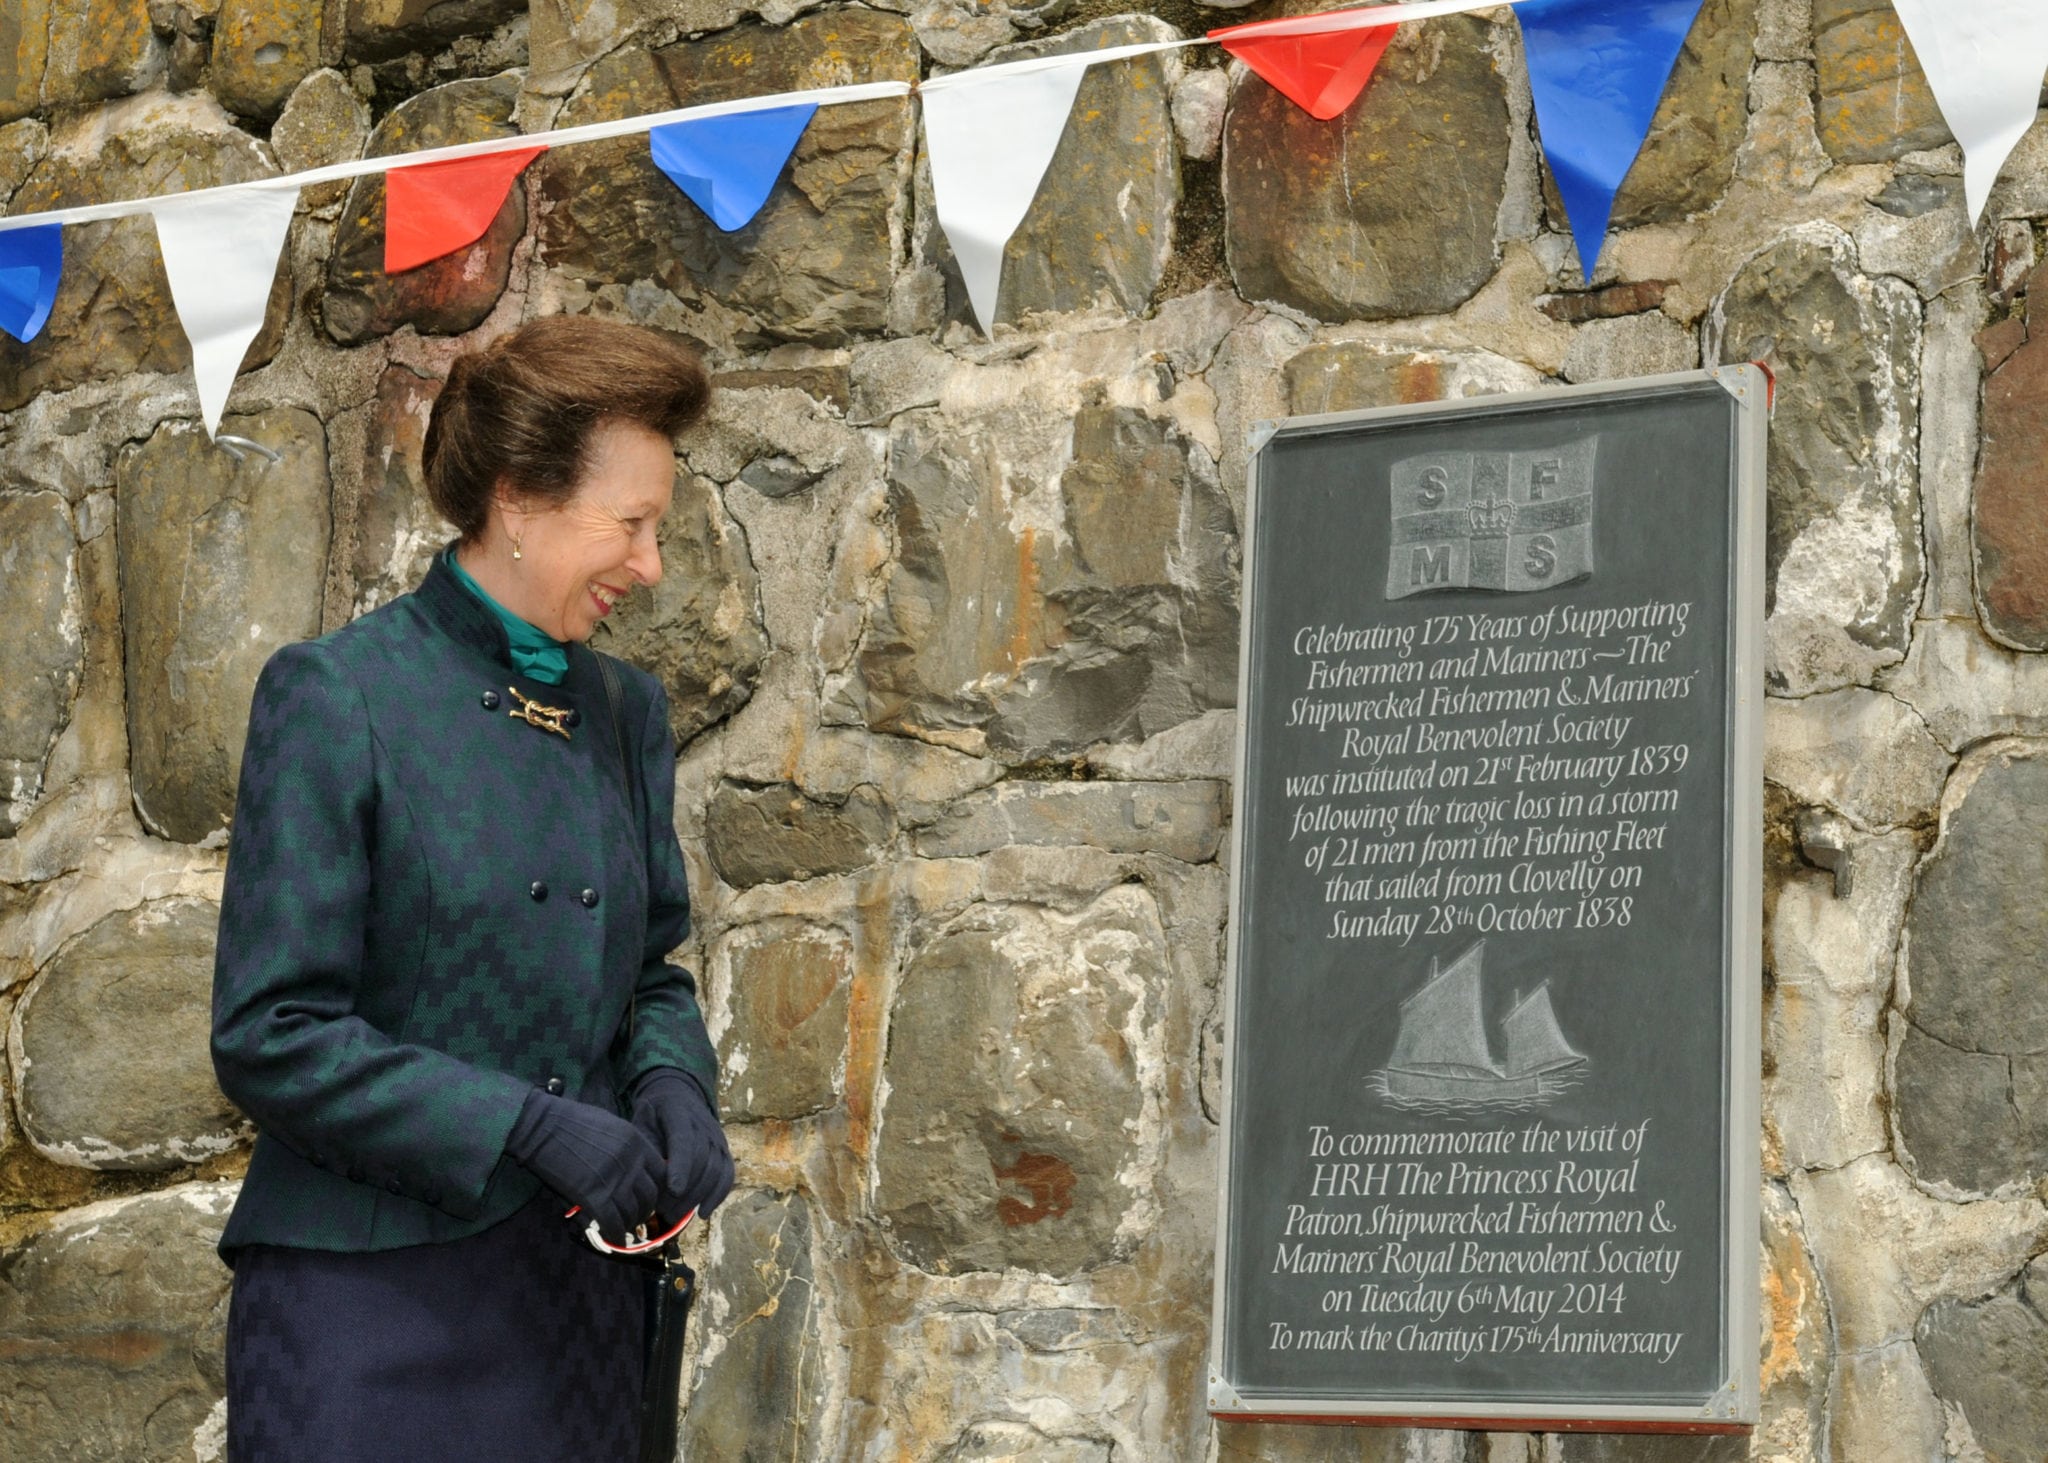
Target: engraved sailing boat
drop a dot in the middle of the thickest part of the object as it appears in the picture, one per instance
(1443, 1058)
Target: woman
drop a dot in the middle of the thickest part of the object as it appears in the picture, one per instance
(441, 991)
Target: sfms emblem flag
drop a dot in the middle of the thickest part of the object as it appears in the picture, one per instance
(1511, 521)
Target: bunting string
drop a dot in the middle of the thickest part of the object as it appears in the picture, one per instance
(1597, 68)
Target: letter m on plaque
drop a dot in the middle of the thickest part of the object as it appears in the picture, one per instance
(1512, 521)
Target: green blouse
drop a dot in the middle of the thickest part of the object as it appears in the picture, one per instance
(536, 654)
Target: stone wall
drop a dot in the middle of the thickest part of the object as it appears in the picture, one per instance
(951, 633)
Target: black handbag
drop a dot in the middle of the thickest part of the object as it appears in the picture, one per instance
(661, 1397)
(675, 1285)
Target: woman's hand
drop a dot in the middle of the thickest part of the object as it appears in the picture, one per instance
(670, 1108)
(590, 1157)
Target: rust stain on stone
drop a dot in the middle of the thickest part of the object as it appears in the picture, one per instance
(1029, 606)
(1045, 1177)
(2011, 542)
(106, 1348)
(1781, 1353)
(1419, 379)
(866, 1003)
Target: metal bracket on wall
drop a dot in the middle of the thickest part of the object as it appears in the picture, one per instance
(1222, 1396)
(239, 448)
(1824, 841)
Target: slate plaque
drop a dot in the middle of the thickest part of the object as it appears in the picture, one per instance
(1491, 1142)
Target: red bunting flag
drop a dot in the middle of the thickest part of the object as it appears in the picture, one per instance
(432, 209)
(1321, 73)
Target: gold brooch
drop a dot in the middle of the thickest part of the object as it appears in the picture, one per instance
(547, 718)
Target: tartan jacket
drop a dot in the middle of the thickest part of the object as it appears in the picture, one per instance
(431, 907)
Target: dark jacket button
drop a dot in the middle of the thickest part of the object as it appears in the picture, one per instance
(355, 1173)
(539, 891)
(395, 1186)
(432, 1196)
(490, 700)
(589, 898)
(574, 718)
(556, 1086)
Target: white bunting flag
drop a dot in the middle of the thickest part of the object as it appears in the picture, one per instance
(990, 134)
(1985, 60)
(221, 250)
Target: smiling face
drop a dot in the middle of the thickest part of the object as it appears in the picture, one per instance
(579, 559)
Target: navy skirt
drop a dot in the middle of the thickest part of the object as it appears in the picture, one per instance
(521, 1345)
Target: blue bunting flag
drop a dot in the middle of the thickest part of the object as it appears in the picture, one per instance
(727, 164)
(31, 261)
(1597, 69)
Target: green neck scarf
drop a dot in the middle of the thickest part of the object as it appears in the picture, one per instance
(536, 654)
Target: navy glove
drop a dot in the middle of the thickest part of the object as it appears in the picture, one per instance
(589, 1157)
(672, 1110)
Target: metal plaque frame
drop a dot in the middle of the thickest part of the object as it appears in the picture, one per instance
(1733, 1407)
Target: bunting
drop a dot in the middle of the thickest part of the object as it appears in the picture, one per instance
(1322, 73)
(989, 135)
(1597, 69)
(432, 209)
(31, 261)
(220, 251)
(1984, 61)
(727, 165)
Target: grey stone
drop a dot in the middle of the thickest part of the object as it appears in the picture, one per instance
(1183, 820)
(786, 984)
(1308, 229)
(1100, 230)
(323, 122)
(24, 52)
(817, 263)
(962, 32)
(1688, 155)
(376, 29)
(699, 630)
(1843, 560)
(1014, 1442)
(892, 376)
(761, 1396)
(1865, 753)
(1979, 928)
(221, 563)
(1978, 960)
(1336, 376)
(444, 296)
(1203, 747)
(1881, 1407)
(107, 1321)
(1630, 345)
(1620, 1449)
(262, 49)
(114, 1071)
(398, 530)
(1200, 98)
(768, 835)
(99, 50)
(993, 635)
(1300, 1443)
(25, 143)
(113, 314)
(1014, 1091)
(1960, 1118)
(42, 657)
(1874, 102)
(1990, 1358)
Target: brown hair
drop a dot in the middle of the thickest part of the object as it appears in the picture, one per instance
(521, 409)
